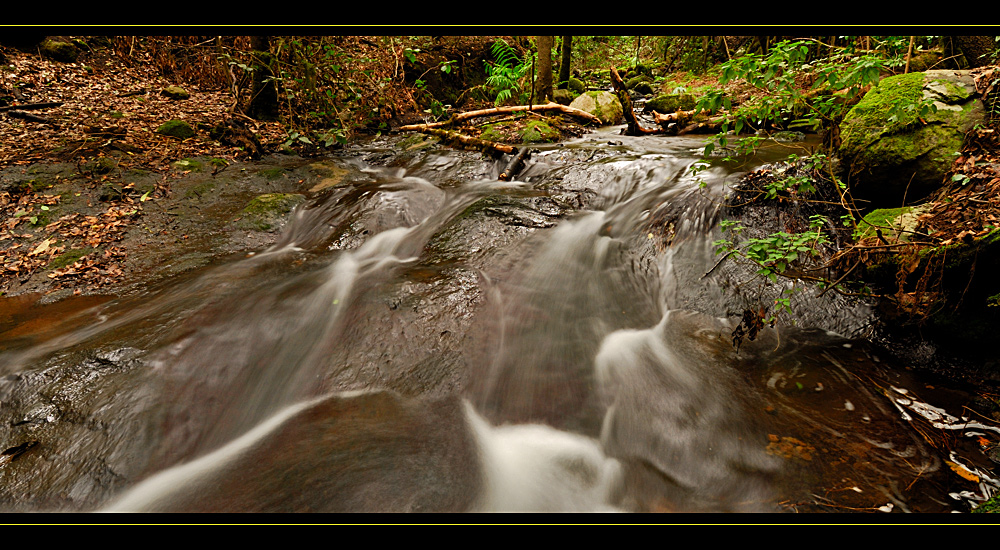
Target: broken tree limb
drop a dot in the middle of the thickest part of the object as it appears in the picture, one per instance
(633, 127)
(29, 116)
(31, 106)
(514, 165)
(460, 117)
(470, 142)
(700, 127)
(679, 117)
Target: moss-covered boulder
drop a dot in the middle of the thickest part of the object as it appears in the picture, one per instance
(895, 224)
(562, 96)
(891, 149)
(175, 92)
(670, 103)
(59, 50)
(267, 212)
(642, 84)
(176, 128)
(576, 85)
(603, 105)
(537, 131)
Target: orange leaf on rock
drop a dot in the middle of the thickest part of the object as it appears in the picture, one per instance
(962, 471)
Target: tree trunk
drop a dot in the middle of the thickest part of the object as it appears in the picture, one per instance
(543, 86)
(633, 127)
(567, 57)
(977, 49)
(263, 95)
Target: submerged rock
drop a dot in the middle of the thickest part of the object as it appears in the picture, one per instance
(266, 211)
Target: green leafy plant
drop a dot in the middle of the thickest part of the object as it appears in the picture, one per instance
(437, 109)
(838, 79)
(803, 183)
(504, 74)
(778, 253)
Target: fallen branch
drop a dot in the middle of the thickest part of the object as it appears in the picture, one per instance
(460, 117)
(471, 142)
(699, 127)
(29, 116)
(514, 165)
(679, 117)
(31, 106)
(633, 128)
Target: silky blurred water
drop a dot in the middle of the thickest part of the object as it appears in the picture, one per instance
(426, 341)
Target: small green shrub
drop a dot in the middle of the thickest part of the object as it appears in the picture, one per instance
(504, 74)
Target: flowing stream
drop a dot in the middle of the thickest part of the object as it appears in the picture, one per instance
(423, 337)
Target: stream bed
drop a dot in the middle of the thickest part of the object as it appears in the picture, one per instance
(421, 337)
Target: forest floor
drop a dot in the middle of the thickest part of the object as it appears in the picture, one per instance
(80, 174)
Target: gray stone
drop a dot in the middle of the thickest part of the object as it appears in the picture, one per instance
(175, 92)
(603, 105)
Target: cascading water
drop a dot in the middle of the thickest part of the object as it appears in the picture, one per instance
(421, 340)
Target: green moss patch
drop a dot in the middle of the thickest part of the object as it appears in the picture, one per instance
(537, 131)
(671, 103)
(272, 173)
(266, 212)
(69, 257)
(991, 506)
(897, 224)
(199, 189)
(189, 164)
(500, 132)
(868, 117)
(176, 128)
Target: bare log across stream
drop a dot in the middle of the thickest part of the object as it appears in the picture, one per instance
(461, 117)
(471, 142)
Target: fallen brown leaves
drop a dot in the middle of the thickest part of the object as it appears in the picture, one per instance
(84, 243)
(970, 207)
(789, 448)
(107, 103)
(101, 107)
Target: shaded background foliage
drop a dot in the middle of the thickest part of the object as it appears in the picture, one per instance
(363, 83)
